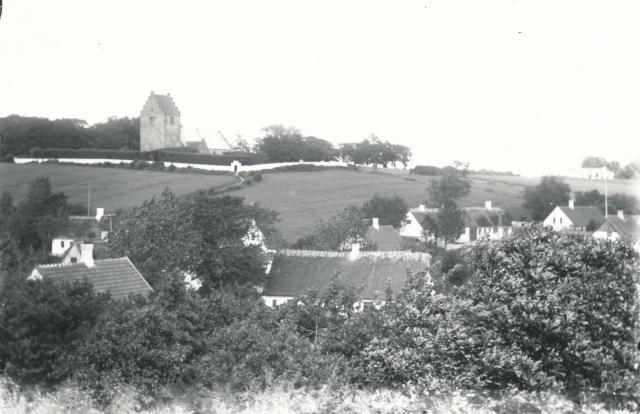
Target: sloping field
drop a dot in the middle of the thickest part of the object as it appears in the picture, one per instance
(304, 197)
(111, 188)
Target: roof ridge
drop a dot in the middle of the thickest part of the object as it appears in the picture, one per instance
(398, 254)
(59, 264)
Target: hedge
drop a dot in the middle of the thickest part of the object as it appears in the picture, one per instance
(158, 155)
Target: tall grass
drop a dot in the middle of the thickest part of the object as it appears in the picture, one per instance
(284, 399)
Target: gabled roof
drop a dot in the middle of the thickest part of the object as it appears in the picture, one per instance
(581, 216)
(117, 276)
(386, 238)
(166, 104)
(295, 271)
(484, 217)
(627, 228)
(201, 146)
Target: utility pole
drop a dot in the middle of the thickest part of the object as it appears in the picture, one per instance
(606, 199)
(89, 200)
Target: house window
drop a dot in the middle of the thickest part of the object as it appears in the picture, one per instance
(152, 119)
(171, 120)
(274, 303)
(62, 244)
(554, 220)
(74, 260)
(560, 220)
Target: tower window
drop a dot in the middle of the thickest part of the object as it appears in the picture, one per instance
(152, 119)
(171, 120)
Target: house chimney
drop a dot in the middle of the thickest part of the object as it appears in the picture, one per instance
(86, 254)
(621, 214)
(487, 204)
(355, 251)
(571, 205)
(422, 207)
(99, 213)
(375, 223)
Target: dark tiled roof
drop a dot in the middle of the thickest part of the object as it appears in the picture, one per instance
(627, 228)
(117, 276)
(166, 104)
(295, 271)
(386, 238)
(581, 216)
(483, 217)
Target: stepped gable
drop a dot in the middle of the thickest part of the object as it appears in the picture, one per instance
(118, 276)
(295, 271)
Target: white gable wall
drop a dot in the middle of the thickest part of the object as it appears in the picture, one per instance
(412, 227)
(60, 246)
(557, 220)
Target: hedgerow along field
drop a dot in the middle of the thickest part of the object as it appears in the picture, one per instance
(111, 188)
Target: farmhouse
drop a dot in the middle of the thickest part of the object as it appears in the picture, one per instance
(488, 221)
(295, 271)
(118, 276)
(601, 173)
(619, 227)
(485, 222)
(159, 123)
(572, 217)
(81, 228)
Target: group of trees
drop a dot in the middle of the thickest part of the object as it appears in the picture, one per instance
(552, 191)
(19, 134)
(375, 151)
(540, 311)
(352, 224)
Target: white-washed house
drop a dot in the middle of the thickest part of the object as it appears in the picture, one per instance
(572, 217)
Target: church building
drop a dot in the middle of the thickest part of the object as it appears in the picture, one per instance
(159, 123)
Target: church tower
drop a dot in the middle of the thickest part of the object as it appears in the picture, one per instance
(159, 123)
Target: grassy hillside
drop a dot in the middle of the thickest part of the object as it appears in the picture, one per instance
(111, 188)
(301, 198)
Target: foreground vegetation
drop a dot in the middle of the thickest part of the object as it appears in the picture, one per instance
(535, 314)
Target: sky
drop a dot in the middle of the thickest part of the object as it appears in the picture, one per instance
(527, 86)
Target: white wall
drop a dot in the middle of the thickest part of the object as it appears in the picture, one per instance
(412, 228)
(268, 300)
(557, 220)
(59, 246)
(207, 167)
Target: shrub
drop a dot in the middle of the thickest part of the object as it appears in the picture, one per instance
(426, 170)
(257, 177)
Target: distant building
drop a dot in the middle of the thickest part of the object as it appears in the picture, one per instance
(200, 146)
(295, 271)
(572, 217)
(118, 276)
(159, 123)
(619, 227)
(412, 226)
(81, 229)
(591, 173)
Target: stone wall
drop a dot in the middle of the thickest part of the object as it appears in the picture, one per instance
(157, 129)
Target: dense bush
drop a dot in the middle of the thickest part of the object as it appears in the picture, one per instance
(426, 170)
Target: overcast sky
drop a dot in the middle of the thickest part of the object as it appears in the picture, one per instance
(528, 86)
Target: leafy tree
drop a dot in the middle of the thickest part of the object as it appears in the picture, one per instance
(451, 185)
(542, 198)
(624, 202)
(594, 162)
(630, 171)
(282, 144)
(42, 324)
(376, 152)
(37, 218)
(589, 198)
(116, 133)
(391, 210)
(334, 233)
(6, 210)
(20, 134)
(450, 222)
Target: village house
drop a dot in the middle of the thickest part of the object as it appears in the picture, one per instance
(255, 237)
(82, 228)
(601, 173)
(295, 271)
(159, 123)
(480, 222)
(572, 217)
(619, 227)
(119, 276)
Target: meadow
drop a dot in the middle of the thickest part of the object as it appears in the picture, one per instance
(301, 198)
(111, 188)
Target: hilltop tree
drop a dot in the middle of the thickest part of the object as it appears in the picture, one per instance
(391, 210)
(282, 144)
(376, 152)
(542, 198)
